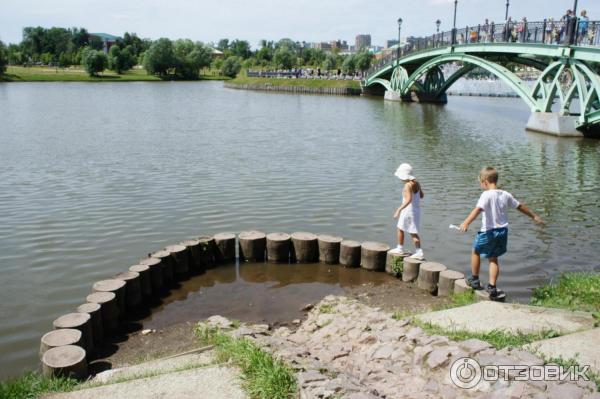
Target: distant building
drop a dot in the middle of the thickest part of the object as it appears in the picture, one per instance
(391, 43)
(107, 40)
(363, 41)
(217, 53)
(323, 46)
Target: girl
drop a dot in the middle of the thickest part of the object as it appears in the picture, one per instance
(409, 212)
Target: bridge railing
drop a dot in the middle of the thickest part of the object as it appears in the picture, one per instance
(585, 33)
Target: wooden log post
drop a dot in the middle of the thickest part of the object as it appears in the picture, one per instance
(394, 263)
(145, 281)
(329, 248)
(118, 288)
(305, 248)
(62, 337)
(181, 259)
(207, 251)
(350, 253)
(81, 322)
(373, 255)
(168, 266)
(410, 271)
(157, 275)
(252, 246)
(193, 252)
(93, 309)
(225, 243)
(65, 361)
(429, 275)
(109, 310)
(446, 282)
(133, 289)
(461, 286)
(278, 247)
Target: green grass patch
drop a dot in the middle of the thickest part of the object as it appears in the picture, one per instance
(78, 74)
(574, 291)
(313, 83)
(263, 376)
(32, 385)
(566, 363)
(497, 338)
(327, 308)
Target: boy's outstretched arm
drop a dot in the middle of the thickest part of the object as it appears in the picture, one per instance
(472, 216)
(525, 210)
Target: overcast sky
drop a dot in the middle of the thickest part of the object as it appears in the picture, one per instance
(309, 20)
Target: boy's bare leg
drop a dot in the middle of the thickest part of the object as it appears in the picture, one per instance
(400, 237)
(416, 240)
(475, 263)
(494, 270)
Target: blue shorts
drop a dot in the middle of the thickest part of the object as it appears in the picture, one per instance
(491, 243)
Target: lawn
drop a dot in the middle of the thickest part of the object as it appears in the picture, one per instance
(316, 83)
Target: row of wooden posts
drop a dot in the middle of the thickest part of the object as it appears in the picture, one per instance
(67, 349)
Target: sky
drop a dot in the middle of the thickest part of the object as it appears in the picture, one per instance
(253, 20)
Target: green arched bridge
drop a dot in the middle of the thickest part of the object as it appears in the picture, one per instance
(564, 99)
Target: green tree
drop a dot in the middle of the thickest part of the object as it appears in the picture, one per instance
(159, 58)
(240, 48)
(15, 55)
(349, 64)
(65, 60)
(331, 62)
(94, 61)
(231, 66)
(3, 58)
(223, 44)
(284, 58)
(363, 60)
(120, 60)
(190, 57)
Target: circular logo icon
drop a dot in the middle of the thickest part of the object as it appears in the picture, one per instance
(465, 373)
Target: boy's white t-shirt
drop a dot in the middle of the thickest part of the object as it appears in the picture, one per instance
(494, 204)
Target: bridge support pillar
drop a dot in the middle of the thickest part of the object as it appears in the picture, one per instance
(554, 124)
(425, 97)
(392, 95)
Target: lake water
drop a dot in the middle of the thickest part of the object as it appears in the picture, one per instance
(94, 176)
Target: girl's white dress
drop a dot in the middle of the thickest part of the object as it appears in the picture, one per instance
(410, 217)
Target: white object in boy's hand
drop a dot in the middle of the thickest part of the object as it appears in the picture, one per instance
(454, 227)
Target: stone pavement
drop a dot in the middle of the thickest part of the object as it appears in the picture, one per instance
(486, 316)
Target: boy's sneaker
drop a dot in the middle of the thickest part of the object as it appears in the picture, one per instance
(398, 250)
(493, 292)
(418, 255)
(474, 283)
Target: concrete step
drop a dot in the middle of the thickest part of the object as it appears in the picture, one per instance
(583, 347)
(486, 316)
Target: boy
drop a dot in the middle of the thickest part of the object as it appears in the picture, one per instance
(491, 240)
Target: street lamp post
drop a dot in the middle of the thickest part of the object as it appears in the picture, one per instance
(573, 23)
(454, 24)
(507, 5)
(399, 31)
(437, 25)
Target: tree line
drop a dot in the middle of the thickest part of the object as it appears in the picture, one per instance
(165, 58)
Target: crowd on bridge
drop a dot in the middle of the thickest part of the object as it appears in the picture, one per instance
(305, 73)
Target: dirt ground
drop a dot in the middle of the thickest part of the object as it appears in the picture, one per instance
(137, 347)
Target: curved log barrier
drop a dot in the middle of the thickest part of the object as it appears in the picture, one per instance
(77, 335)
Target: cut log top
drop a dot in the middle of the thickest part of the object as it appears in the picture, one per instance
(63, 356)
(205, 239)
(175, 248)
(190, 243)
(252, 235)
(108, 285)
(224, 236)
(350, 243)
(139, 268)
(161, 254)
(433, 267)
(375, 246)
(303, 236)
(451, 275)
(278, 236)
(329, 238)
(62, 337)
(71, 320)
(151, 261)
(101, 297)
(90, 307)
(414, 261)
(126, 276)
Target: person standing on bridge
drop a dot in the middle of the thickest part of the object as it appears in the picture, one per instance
(491, 240)
(409, 212)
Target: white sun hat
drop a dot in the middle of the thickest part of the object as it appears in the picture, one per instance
(404, 172)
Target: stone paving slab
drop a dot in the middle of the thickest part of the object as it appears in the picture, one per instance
(584, 347)
(487, 316)
(210, 382)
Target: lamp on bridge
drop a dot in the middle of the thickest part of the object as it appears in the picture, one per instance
(437, 25)
(507, 5)
(454, 24)
(399, 31)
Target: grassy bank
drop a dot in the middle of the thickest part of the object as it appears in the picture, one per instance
(33, 385)
(313, 83)
(574, 291)
(263, 376)
(77, 74)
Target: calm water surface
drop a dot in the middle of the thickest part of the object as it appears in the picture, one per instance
(93, 176)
